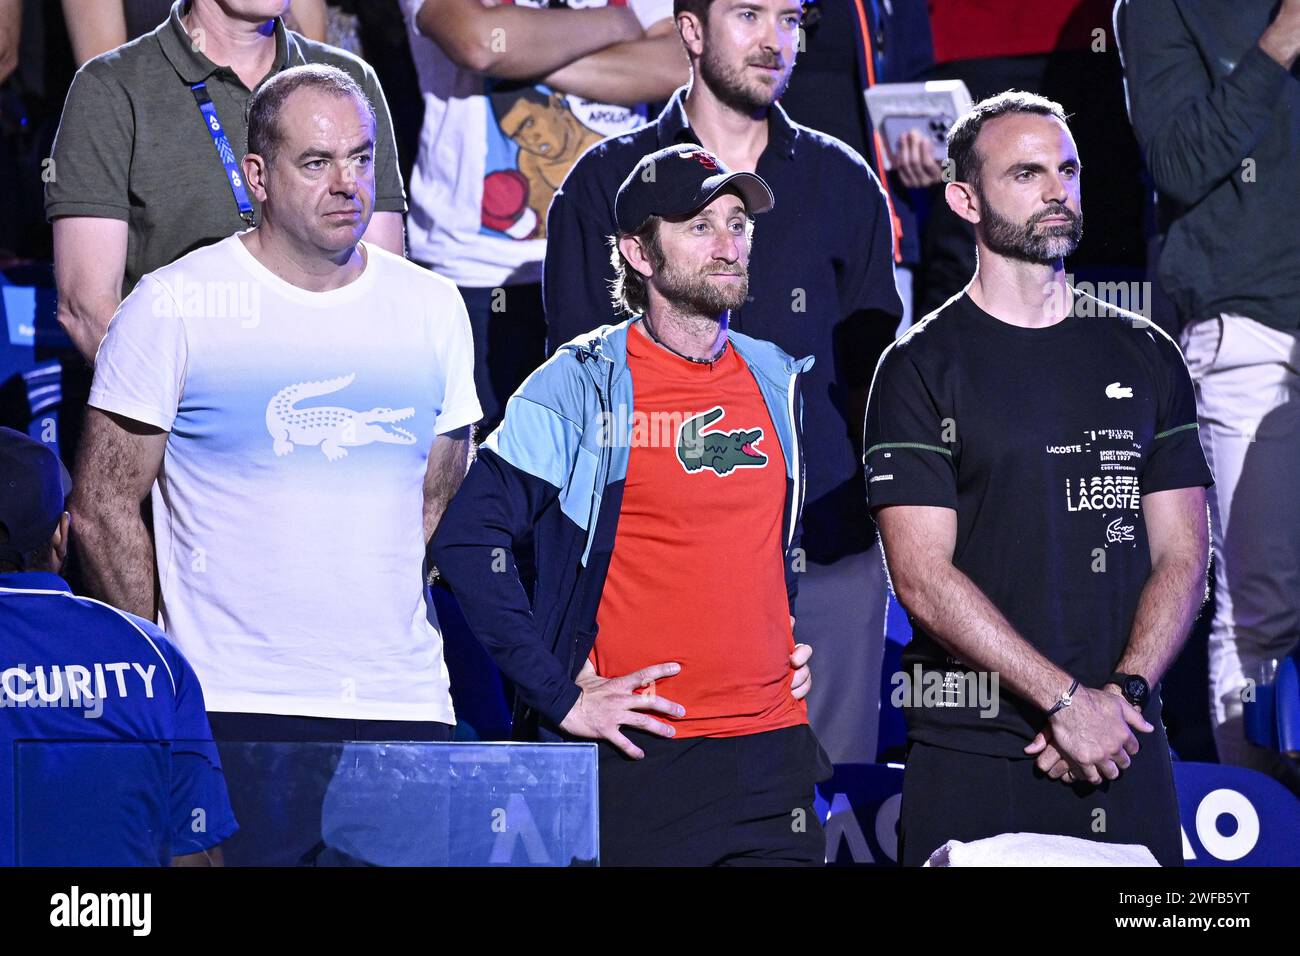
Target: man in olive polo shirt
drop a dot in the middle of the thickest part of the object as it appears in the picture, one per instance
(138, 180)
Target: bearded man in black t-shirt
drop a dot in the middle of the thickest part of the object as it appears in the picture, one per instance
(1034, 466)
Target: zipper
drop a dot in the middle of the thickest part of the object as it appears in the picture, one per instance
(795, 369)
(602, 471)
(796, 494)
(586, 354)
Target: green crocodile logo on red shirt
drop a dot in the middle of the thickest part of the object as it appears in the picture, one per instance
(720, 451)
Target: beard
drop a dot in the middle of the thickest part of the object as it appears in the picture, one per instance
(731, 87)
(1024, 241)
(693, 293)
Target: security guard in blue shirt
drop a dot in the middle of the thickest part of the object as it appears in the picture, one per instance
(118, 767)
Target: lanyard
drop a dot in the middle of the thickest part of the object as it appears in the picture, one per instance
(225, 152)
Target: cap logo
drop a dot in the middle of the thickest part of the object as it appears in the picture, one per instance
(704, 159)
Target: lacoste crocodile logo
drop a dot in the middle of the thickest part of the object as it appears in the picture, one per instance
(333, 428)
(1117, 531)
(717, 450)
(1116, 390)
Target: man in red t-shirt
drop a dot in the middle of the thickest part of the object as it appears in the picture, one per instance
(697, 575)
(657, 465)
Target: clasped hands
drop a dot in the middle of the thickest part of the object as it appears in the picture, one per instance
(1091, 739)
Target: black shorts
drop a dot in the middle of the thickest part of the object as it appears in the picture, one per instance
(713, 801)
(952, 795)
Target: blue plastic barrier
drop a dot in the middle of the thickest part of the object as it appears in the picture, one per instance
(317, 804)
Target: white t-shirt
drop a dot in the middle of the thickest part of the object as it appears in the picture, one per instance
(288, 514)
(492, 154)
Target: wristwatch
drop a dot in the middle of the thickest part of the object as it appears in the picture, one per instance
(1133, 687)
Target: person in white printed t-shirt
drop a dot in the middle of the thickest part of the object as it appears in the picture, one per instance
(514, 93)
(299, 402)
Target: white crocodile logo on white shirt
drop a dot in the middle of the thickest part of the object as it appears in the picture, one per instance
(333, 428)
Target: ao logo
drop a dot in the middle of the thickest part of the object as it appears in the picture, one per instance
(842, 825)
(215, 124)
(235, 180)
(1213, 805)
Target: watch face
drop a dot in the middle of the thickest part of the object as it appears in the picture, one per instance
(1135, 689)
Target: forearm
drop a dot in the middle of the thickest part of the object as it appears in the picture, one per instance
(94, 27)
(627, 74)
(86, 322)
(1170, 601)
(1281, 41)
(11, 29)
(309, 18)
(116, 554)
(957, 613)
(89, 263)
(519, 43)
(443, 478)
(435, 505)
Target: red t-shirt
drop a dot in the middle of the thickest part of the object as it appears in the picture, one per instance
(975, 29)
(697, 574)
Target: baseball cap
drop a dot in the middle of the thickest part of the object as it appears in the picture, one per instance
(678, 180)
(33, 486)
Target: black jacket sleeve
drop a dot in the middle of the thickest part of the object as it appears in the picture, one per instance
(1194, 132)
(473, 549)
(577, 273)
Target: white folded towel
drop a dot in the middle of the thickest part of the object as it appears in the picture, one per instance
(1040, 849)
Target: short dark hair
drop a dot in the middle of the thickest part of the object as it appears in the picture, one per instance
(628, 287)
(264, 134)
(961, 137)
(701, 8)
(698, 7)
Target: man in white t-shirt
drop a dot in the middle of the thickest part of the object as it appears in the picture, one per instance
(299, 402)
(514, 92)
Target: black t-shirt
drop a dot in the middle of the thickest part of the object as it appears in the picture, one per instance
(1043, 441)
